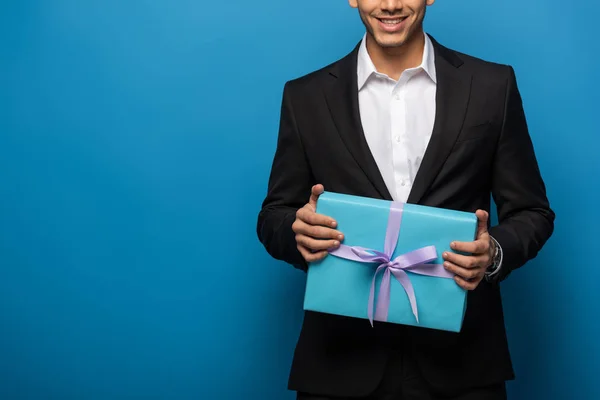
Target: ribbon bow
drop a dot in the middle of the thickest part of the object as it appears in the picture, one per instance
(415, 262)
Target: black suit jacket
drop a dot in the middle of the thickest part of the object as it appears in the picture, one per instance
(480, 145)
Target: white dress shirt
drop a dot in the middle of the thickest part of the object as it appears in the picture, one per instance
(397, 119)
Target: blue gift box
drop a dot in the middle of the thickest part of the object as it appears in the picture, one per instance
(341, 286)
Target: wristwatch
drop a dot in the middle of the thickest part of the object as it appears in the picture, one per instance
(496, 260)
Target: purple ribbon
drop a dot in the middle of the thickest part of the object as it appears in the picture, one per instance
(415, 261)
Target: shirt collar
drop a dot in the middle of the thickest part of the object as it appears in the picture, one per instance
(366, 68)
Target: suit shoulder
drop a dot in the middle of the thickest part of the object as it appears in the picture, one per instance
(315, 78)
(310, 79)
(485, 69)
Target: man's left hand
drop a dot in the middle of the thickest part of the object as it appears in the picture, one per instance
(470, 270)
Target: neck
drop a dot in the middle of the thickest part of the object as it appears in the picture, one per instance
(392, 61)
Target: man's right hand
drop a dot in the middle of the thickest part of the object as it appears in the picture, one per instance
(315, 233)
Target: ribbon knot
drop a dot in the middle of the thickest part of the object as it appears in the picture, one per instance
(415, 261)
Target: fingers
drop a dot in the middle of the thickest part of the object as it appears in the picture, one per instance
(469, 270)
(467, 262)
(466, 278)
(308, 216)
(482, 217)
(479, 246)
(315, 245)
(315, 192)
(314, 241)
(315, 231)
(467, 285)
(311, 257)
(465, 273)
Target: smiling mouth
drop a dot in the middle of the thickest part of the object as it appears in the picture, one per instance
(392, 21)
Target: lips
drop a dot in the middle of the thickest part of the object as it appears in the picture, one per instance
(392, 24)
(390, 21)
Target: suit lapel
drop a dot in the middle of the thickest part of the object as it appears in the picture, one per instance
(342, 99)
(452, 96)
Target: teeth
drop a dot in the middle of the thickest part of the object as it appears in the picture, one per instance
(392, 21)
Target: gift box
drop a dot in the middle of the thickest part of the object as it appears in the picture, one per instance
(389, 267)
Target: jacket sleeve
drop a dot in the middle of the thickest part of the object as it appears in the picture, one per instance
(289, 189)
(525, 219)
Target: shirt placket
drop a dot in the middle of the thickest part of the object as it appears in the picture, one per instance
(400, 154)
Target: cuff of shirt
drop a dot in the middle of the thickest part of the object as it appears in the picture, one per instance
(491, 274)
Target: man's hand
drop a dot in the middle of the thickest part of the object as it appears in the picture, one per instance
(470, 270)
(315, 233)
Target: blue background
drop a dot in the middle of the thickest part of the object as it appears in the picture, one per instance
(135, 144)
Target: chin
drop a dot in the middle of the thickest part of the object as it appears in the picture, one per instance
(388, 42)
(391, 43)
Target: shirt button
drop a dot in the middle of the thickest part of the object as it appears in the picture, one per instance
(398, 139)
(397, 97)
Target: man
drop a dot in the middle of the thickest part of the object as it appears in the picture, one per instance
(404, 118)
